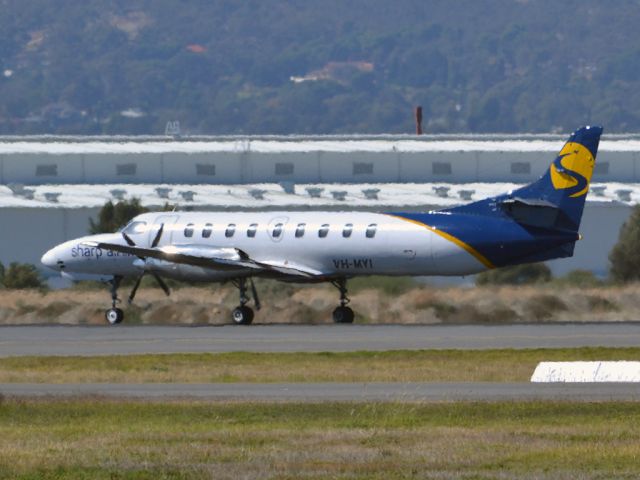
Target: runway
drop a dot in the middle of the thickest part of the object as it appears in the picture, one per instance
(122, 340)
(322, 392)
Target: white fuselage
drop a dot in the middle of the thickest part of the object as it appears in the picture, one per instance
(337, 244)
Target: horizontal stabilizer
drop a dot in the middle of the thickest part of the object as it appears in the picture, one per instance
(533, 212)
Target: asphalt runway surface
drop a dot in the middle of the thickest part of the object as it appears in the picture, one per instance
(347, 392)
(121, 340)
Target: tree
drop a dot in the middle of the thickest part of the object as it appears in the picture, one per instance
(113, 217)
(624, 258)
(22, 275)
(526, 274)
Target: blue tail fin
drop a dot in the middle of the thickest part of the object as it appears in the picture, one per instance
(556, 200)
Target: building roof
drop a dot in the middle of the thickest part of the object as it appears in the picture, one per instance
(64, 145)
(273, 196)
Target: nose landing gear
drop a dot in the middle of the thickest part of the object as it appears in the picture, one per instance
(243, 315)
(114, 315)
(343, 313)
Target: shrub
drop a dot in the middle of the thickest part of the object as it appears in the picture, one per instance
(580, 278)
(601, 304)
(389, 285)
(525, 274)
(624, 258)
(543, 307)
(22, 275)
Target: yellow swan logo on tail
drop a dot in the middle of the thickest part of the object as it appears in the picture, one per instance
(572, 169)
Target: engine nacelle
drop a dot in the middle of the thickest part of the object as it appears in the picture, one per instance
(178, 271)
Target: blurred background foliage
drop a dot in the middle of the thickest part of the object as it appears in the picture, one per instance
(222, 67)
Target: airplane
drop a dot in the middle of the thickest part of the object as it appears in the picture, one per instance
(534, 223)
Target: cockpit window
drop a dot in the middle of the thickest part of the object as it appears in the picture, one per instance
(135, 227)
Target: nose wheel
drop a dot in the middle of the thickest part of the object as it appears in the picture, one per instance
(343, 313)
(114, 315)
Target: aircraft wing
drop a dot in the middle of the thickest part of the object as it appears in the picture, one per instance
(291, 269)
(217, 258)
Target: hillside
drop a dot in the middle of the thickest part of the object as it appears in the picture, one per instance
(318, 67)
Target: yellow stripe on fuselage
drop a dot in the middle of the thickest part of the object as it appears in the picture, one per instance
(468, 248)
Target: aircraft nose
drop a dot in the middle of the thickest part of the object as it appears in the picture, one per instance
(50, 259)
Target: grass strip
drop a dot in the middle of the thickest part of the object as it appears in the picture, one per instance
(82, 438)
(502, 365)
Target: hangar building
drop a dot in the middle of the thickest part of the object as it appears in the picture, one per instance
(51, 186)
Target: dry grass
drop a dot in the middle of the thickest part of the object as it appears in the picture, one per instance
(394, 366)
(120, 439)
(313, 304)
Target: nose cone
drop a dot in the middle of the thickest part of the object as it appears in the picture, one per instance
(50, 259)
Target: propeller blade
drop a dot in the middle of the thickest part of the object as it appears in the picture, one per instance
(163, 285)
(132, 295)
(127, 239)
(131, 243)
(254, 293)
(156, 239)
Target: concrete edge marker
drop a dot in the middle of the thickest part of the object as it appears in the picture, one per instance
(582, 372)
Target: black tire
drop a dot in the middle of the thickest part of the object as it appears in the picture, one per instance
(343, 315)
(114, 316)
(242, 315)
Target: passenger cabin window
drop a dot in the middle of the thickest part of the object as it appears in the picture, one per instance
(277, 230)
(206, 231)
(347, 230)
(371, 230)
(188, 230)
(251, 231)
(324, 230)
(300, 230)
(135, 227)
(231, 229)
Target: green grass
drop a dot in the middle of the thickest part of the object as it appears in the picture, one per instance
(405, 366)
(82, 438)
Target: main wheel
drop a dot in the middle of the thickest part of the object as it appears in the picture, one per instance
(343, 315)
(242, 315)
(114, 316)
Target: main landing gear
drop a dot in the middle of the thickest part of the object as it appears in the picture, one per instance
(342, 314)
(114, 315)
(242, 314)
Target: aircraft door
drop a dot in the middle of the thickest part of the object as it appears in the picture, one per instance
(167, 223)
